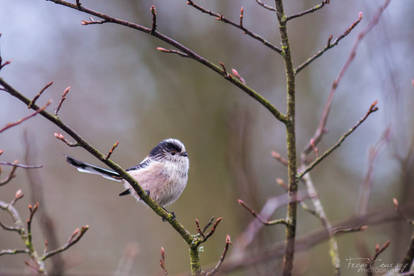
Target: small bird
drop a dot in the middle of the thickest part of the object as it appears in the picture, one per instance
(163, 174)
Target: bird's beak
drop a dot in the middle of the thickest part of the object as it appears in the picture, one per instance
(184, 154)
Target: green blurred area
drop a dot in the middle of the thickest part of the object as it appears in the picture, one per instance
(123, 89)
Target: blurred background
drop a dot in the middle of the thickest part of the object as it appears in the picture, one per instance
(123, 89)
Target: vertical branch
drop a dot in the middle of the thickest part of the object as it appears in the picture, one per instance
(290, 141)
(195, 261)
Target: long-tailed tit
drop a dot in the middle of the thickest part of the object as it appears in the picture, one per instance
(162, 174)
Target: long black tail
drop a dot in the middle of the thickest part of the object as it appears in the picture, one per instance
(89, 168)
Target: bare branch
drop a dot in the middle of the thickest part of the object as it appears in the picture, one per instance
(366, 185)
(10, 176)
(92, 21)
(213, 229)
(372, 109)
(162, 262)
(24, 166)
(73, 239)
(60, 137)
(13, 251)
(329, 45)
(10, 125)
(197, 222)
(378, 250)
(33, 101)
(279, 158)
(170, 51)
(268, 7)
(62, 99)
(32, 210)
(256, 215)
(311, 10)
(154, 19)
(221, 260)
(114, 146)
(240, 26)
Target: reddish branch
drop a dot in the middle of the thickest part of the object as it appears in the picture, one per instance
(371, 261)
(239, 25)
(10, 125)
(221, 260)
(162, 261)
(114, 146)
(372, 109)
(60, 137)
(62, 99)
(366, 186)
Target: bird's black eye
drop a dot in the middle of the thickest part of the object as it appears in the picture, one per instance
(173, 152)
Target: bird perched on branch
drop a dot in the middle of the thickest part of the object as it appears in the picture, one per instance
(162, 174)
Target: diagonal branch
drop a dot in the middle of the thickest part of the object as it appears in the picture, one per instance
(191, 54)
(240, 25)
(10, 125)
(330, 44)
(311, 10)
(372, 109)
(73, 239)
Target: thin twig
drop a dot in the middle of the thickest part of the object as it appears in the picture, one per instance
(221, 18)
(241, 17)
(320, 213)
(73, 239)
(24, 166)
(329, 45)
(13, 251)
(162, 262)
(256, 215)
(154, 19)
(366, 185)
(172, 51)
(213, 229)
(268, 7)
(279, 158)
(60, 137)
(372, 109)
(209, 223)
(92, 21)
(311, 10)
(33, 101)
(197, 223)
(9, 125)
(378, 251)
(62, 99)
(221, 260)
(10, 176)
(32, 210)
(114, 146)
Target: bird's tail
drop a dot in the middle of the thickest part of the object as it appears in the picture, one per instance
(89, 168)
